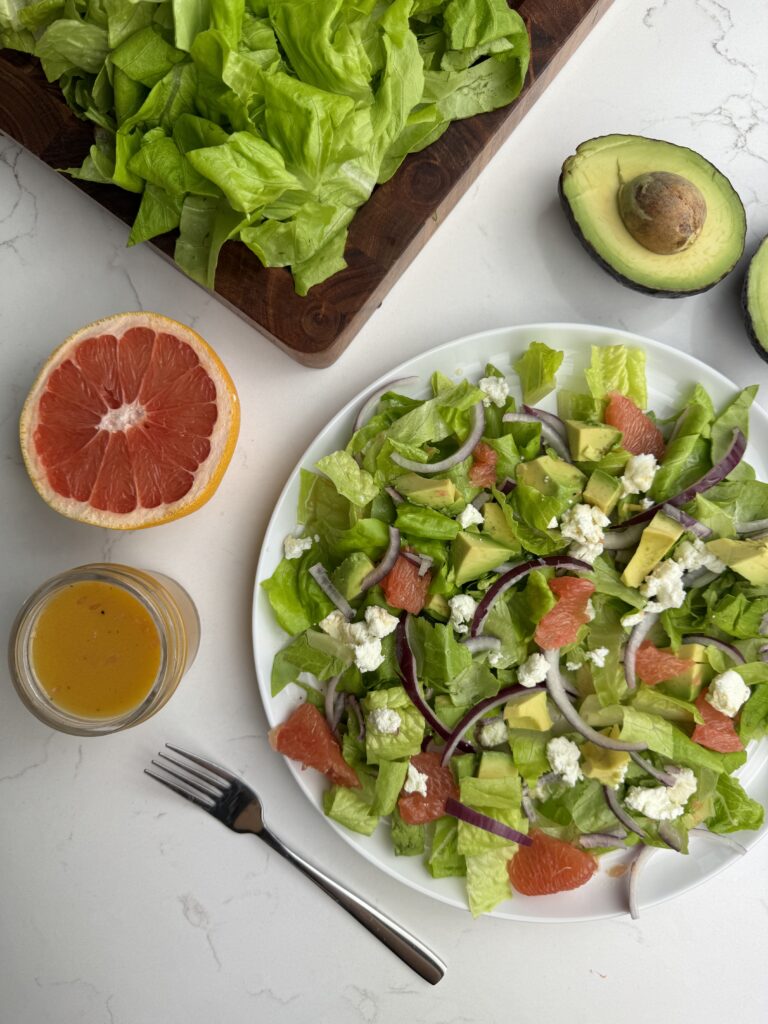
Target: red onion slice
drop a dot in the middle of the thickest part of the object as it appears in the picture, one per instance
(476, 713)
(496, 828)
(549, 418)
(482, 498)
(529, 810)
(320, 575)
(704, 833)
(507, 485)
(617, 540)
(424, 562)
(396, 496)
(690, 524)
(753, 526)
(669, 835)
(407, 665)
(763, 652)
(663, 777)
(590, 840)
(726, 465)
(476, 428)
(386, 564)
(514, 575)
(373, 399)
(636, 637)
(549, 435)
(478, 644)
(634, 871)
(556, 689)
(701, 638)
(352, 702)
(624, 817)
(332, 710)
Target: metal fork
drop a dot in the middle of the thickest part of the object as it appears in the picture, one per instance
(235, 805)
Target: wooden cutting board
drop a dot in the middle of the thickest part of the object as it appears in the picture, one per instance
(386, 233)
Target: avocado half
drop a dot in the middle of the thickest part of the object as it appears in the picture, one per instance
(754, 300)
(589, 187)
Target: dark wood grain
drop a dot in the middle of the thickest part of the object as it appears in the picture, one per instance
(386, 233)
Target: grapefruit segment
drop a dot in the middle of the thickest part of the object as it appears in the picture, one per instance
(560, 625)
(306, 736)
(655, 666)
(131, 423)
(639, 434)
(717, 731)
(404, 588)
(482, 472)
(416, 809)
(549, 865)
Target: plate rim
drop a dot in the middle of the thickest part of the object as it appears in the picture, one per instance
(594, 334)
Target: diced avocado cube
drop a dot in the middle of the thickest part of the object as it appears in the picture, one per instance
(474, 555)
(749, 558)
(603, 491)
(422, 490)
(407, 840)
(689, 684)
(496, 527)
(590, 442)
(656, 540)
(495, 764)
(437, 606)
(348, 577)
(547, 475)
(528, 712)
(607, 766)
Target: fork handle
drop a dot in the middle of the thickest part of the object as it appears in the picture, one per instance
(410, 950)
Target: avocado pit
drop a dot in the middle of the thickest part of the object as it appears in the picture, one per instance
(662, 211)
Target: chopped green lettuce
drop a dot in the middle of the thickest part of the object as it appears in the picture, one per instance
(618, 368)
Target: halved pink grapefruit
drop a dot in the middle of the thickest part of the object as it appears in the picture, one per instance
(131, 423)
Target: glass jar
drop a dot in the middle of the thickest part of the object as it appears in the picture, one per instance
(102, 647)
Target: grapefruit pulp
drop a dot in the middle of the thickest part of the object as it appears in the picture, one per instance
(639, 434)
(404, 588)
(482, 472)
(548, 866)
(416, 809)
(655, 666)
(718, 731)
(306, 736)
(560, 625)
(130, 423)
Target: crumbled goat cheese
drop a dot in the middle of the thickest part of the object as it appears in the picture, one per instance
(470, 516)
(663, 803)
(416, 781)
(336, 626)
(533, 670)
(598, 656)
(295, 547)
(496, 390)
(493, 732)
(584, 525)
(368, 655)
(693, 555)
(665, 583)
(638, 474)
(553, 523)
(385, 720)
(379, 621)
(463, 608)
(727, 692)
(573, 666)
(563, 756)
(646, 503)
(590, 610)
(495, 658)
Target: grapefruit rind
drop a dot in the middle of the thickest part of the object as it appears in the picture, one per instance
(209, 473)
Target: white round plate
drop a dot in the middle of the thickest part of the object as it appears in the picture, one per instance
(670, 375)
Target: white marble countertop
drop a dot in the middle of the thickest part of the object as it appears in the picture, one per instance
(122, 904)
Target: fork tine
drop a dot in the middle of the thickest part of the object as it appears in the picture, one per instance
(177, 789)
(215, 769)
(194, 786)
(213, 783)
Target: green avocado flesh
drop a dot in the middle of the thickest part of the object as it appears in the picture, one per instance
(589, 186)
(756, 299)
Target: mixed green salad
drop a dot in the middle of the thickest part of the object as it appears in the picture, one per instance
(515, 623)
(267, 121)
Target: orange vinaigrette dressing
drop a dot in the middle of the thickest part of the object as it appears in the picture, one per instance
(96, 650)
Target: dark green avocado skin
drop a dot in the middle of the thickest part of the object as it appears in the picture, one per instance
(758, 345)
(661, 293)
